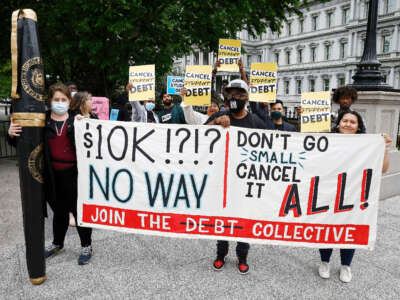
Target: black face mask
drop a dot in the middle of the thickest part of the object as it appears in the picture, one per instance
(236, 105)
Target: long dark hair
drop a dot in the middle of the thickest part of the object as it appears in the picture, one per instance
(361, 126)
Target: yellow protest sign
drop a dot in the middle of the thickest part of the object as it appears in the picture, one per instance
(263, 82)
(198, 85)
(229, 55)
(143, 81)
(316, 112)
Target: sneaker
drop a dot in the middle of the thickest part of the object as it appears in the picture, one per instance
(85, 256)
(52, 250)
(243, 267)
(219, 263)
(323, 270)
(345, 274)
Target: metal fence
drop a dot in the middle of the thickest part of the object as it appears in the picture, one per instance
(6, 151)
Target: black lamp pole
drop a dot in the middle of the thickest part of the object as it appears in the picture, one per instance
(369, 76)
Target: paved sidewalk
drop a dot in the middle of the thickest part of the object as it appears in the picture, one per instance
(126, 266)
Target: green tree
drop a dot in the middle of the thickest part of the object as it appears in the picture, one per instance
(93, 41)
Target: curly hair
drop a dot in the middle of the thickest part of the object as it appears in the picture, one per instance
(345, 92)
(58, 87)
(361, 126)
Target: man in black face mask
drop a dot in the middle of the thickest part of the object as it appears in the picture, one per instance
(172, 114)
(277, 113)
(236, 96)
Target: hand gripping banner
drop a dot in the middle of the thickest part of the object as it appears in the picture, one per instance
(29, 112)
(256, 186)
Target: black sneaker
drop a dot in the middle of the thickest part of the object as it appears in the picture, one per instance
(243, 267)
(53, 250)
(85, 256)
(219, 263)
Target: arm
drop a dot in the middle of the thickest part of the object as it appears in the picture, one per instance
(138, 111)
(242, 73)
(388, 142)
(13, 131)
(191, 117)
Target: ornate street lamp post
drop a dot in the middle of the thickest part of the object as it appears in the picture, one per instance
(368, 76)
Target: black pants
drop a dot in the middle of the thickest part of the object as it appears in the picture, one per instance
(66, 202)
(241, 248)
(346, 255)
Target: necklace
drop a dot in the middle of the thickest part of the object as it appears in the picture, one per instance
(59, 133)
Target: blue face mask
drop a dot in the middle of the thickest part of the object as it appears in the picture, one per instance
(59, 108)
(276, 115)
(149, 106)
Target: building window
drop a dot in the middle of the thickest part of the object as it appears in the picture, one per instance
(330, 19)
(386, 44)
(196, 58)
(346, 15)
(288, 57)
(301, 25)
(311, 85)
(300, 56)
(385, 78)
(328, 52)
(326, 84)
(314, 23)
(277, 58)
(298, 86)
(389, 6)
(287, 85)
(289, 28)
(259, 58)
(205, 58)
(341, 81)
(313, 54)
(343, 50)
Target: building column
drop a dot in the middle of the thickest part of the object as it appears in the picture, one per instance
(396, 38)
(391, 77)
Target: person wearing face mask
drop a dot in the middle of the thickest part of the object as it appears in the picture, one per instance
(348, 122)
(143, 111)
(60, 170)
(193, 117)
(277, 114)
(170, 114)
(237, 95)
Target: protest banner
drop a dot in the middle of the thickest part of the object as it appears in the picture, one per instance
(316, 112)
(143, 83)
(263, 82)
(229, 55)
(198, 85)
(175, 84)
(250, 185)
(101, 107)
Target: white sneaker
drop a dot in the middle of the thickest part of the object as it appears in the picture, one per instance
(323, 270)
(345, 274)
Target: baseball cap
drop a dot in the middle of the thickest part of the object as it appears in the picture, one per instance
(237, 84)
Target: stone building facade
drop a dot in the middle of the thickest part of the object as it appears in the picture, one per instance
(319, 51)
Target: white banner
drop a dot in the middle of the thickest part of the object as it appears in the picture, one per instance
(257, 186)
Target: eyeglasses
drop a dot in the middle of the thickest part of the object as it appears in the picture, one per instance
(237, 96)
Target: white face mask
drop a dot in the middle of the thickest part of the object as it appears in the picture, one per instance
(59, 108)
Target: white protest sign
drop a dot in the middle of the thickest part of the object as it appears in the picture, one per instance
(250, 185)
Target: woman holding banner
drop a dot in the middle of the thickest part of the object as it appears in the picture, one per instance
(60, 170)
(82, 104)
(348, 122)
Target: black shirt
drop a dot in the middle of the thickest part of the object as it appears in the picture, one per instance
(249, 121)
(279, 126)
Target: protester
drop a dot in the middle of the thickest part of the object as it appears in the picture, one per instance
(143, 111)
(349, 122)
(72, 86)
(82, 104)
(193, 117)
(60, 170)
(120, 103)
(171, 113)
(273, 119)
(237, 97)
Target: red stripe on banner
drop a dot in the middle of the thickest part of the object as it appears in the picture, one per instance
(226, 168)
(226, 226)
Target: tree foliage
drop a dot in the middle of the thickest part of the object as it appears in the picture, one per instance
(92, 42)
